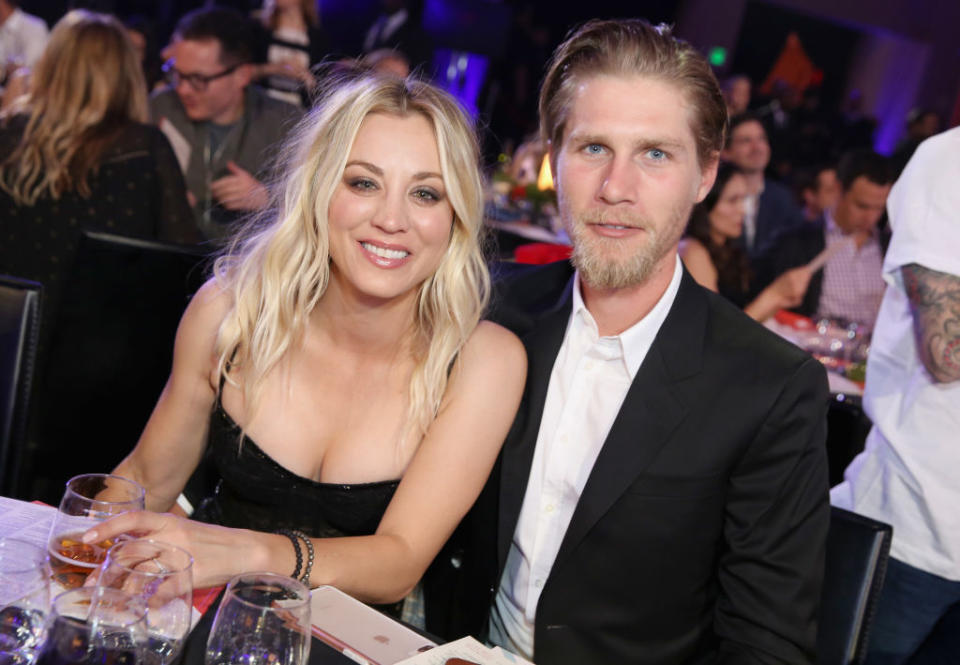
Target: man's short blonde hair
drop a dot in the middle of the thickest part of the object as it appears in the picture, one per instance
(633, 47)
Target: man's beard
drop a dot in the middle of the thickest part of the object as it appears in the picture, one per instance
(601, 261)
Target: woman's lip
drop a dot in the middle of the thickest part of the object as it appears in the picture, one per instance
(386, 245)
(384, 261)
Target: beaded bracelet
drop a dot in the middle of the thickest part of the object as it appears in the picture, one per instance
(305, 578)
(292, 535)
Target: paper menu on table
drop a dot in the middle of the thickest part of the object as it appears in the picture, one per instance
(26, 521)
(468, 650)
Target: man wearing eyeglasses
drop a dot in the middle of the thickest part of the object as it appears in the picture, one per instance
(223, 129)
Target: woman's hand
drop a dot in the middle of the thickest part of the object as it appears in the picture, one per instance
(784, 292)
(791, 286)
(218, 552)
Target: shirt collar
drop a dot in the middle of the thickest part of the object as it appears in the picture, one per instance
(636, 340)
(833, 229)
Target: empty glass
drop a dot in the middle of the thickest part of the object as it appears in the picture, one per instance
(24, 600)
(162, 575)
(263, 618)
(88, 500)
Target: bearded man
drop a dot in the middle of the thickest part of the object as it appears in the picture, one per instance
(662, 495)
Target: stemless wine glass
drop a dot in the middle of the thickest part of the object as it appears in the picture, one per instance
(263, 618)
(24, 600)
(95, 626)
(162, 575)
(88, 500)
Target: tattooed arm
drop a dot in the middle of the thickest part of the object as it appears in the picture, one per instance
(935, 303)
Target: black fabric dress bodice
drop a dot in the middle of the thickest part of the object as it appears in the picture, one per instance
(255, 492)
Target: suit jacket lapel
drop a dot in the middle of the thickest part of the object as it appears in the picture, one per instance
(650, 412)
(542, 346)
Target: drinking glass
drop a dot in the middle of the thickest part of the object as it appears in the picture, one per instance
(162, 576)
(263, 618)
(24, 600)
(88, 500)
(95, 626)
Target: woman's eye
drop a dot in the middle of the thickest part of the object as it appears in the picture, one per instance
(426, 195)
(363, 184)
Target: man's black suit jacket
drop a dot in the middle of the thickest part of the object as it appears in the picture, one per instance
(699, 536)
(777, 213)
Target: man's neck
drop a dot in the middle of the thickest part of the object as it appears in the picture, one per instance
(860, 237)
(616, 310)
(232, 115)
(754, 182)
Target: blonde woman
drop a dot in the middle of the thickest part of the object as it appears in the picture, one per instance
(75, 155)
(337, 362)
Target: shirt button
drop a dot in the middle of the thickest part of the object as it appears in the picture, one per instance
(539, 584)
(548, 508)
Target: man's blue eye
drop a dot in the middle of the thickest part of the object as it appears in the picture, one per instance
(657, 154)
(594, 148)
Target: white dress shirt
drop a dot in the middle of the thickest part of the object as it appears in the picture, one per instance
(751, 208)
(588, 383)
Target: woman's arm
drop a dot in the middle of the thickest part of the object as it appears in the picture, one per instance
(785, 291)
(175, 436)
(698, 262)
(442, 481)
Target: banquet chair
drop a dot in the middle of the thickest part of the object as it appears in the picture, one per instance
(856, 562)
(19, 332)
(109, 353)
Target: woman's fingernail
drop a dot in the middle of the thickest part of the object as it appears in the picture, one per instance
(89, 537)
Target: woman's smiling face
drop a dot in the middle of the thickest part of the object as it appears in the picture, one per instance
(389, 217)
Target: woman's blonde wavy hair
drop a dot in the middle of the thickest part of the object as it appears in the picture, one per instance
(278, 268)
(85, 89)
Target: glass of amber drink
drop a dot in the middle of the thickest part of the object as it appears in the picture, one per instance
(88, 500)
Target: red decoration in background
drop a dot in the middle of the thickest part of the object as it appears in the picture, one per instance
(538, 253)
(793, 67)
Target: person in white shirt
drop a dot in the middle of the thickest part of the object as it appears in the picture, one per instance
(662, 495)
(907, 474)
(22, 38)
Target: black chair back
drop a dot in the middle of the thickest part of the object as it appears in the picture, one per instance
(857, 551)
(110, 352)
(19, 332)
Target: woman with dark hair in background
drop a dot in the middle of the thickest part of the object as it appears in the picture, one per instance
(713, 255)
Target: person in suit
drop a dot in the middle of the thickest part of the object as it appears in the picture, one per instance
(850, 287)
(771, 208)
(662, 494)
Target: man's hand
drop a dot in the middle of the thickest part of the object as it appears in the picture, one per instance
(935, 304)
(239, 190)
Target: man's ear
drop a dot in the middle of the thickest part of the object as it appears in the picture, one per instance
(244, 73)
(708, 174)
